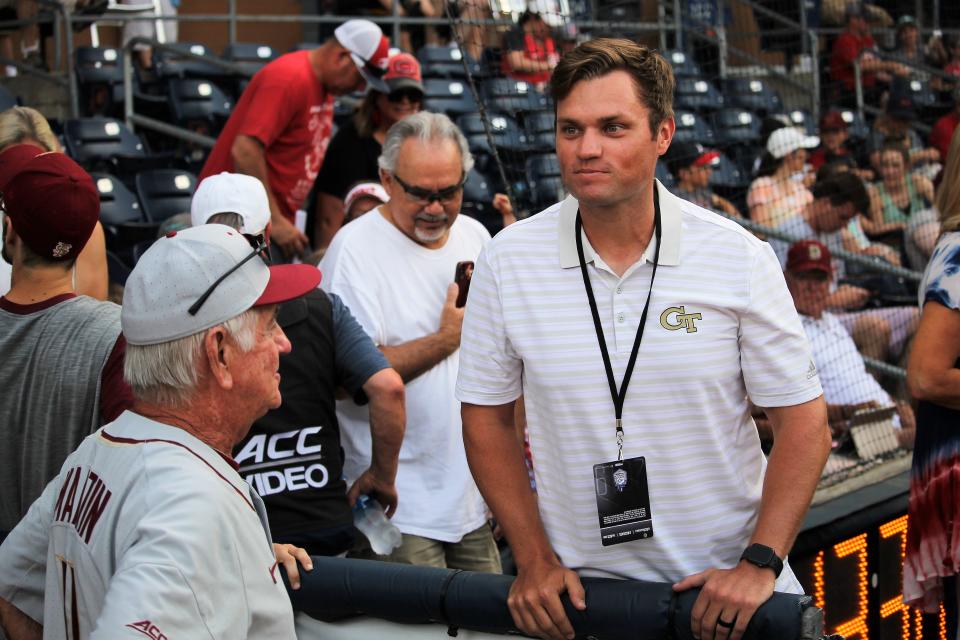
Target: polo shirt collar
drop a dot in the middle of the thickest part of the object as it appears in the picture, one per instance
(671, 225)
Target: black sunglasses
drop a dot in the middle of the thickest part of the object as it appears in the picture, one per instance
(423, 195)
(259, 249)
(413, 95)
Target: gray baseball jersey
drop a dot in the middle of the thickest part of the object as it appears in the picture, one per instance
(146, 532)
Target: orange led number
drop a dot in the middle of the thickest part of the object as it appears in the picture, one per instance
(857, 626)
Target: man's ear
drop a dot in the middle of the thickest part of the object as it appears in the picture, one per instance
(219, 356)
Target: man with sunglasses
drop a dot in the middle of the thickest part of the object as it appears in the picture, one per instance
(291, 457)
(62, 373)
(149, 528)
(281, 126)
(394, 269)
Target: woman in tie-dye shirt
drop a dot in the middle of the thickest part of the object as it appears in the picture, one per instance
(933, 538)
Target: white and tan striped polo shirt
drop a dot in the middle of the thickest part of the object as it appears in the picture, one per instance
(721, 327)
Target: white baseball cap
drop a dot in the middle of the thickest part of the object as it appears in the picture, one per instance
(365, 190)
(788, 139)
(369, 49)
(179, 269)
(232, 193)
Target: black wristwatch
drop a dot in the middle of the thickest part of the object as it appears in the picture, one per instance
(763, 557)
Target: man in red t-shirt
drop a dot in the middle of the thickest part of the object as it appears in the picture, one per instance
(531, 52)
(853, 42)
(942, 132)
(282, 124)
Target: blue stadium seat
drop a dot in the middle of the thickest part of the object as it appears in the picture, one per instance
(251, 55)
(168, 64)
(923, 96)
(663, 175)
(752, 94)
(513, 96)
(727, 174)
(450, 96)
(856, 126)
(165, 192)
(98, 65)
(121, 216)
(541, 129)
(736, 126)
(695, 94)
(198, 104)
(803, 119)
(505, 131)
(683, 64)
(93, 141)
(445, 62)
(692, 127)
(543, 177)
(7, 99)
(478, 193)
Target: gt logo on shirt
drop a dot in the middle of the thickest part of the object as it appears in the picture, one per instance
(683, 319)
(262, 453)
(148, 629)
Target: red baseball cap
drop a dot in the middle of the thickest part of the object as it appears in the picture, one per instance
(403, 72)
(809, 255)
(51, 201)
(833, 121)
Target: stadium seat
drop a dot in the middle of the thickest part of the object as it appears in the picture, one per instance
(445, 62)
(449, 96)
(857, 128)
(543, 176)
(753, 95)
(663, 175)
(99, 73)
(683, 64)
(691, 127)
(250, 55)
(96, 141)
(727, 174)
(168, 64)
(697, 95)
(803, 119)
(165, 192)
(542, 166)
(504, 130)
(541, 129)
(513, 96)
(121, 216)
(923, 96)
(7, 99)
(198, 104)
(736, 126)
(478, 194)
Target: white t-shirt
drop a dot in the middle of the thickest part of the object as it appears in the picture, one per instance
(147, 531)
(721, 327)
(843, 373)
(5, 271)
(396, 289)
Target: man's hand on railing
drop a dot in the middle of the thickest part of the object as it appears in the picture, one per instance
(285, 235)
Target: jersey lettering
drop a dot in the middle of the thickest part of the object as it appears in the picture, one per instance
(148, 629)
(278, 446)
(82, 514)
(267, 483)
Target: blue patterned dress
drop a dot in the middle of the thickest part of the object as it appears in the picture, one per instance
(933, 536)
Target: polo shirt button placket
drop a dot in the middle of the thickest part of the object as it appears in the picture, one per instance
(620, 317)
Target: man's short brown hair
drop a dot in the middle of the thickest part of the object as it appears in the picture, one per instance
(652, 75)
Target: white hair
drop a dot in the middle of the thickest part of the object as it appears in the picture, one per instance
(427, 127)
(167, 374)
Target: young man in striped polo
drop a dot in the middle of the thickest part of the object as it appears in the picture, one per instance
(661, 478)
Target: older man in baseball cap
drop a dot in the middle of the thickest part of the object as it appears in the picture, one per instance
(149, 527)
(62, 374)
(281, 126)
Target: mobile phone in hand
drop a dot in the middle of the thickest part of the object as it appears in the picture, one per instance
(462, 277)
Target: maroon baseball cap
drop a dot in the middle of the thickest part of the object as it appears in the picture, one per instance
(809, 255)
(51, 201)
(13, 159)
(833, 121)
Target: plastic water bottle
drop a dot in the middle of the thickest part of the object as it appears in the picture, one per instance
(369, 518)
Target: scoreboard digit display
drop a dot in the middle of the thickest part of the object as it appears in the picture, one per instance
(857, 581)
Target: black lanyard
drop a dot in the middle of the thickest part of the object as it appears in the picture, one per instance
(619, 396)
